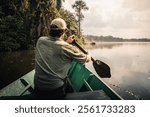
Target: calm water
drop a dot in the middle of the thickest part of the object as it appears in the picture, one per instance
(130, 67)
(129, 62)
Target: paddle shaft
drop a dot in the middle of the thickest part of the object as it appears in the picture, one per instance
(85, 52)
(101, 68)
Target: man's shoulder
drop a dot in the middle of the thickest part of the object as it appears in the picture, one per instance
(70, 47)
(43, 38)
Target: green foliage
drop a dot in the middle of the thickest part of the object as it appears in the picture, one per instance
(11, 35)
(22, 22)
(70, 20)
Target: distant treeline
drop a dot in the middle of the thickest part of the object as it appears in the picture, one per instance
(113, 39)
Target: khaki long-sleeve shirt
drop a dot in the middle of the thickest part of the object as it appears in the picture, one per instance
(53, 59)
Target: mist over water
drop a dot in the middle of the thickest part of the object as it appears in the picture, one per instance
(130, 67)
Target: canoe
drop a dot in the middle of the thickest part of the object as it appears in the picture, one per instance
(83, 83)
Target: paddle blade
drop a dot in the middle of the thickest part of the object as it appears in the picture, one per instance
(102, 69)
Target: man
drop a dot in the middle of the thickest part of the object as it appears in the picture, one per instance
(53, 59)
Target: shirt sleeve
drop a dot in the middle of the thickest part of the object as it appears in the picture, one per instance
(73, 53)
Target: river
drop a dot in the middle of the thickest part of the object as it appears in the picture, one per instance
(129, 63)
(130, 67)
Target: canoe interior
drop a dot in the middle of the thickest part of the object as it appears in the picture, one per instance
(84, 84)
(83, 80)
(22, 86)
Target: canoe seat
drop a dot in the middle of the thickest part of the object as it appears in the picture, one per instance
(88, 95)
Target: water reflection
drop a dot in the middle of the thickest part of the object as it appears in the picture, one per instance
(107, 45)
(110, 45)
(130, 68)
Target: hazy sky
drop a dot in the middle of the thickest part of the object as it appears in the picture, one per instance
(119, 18)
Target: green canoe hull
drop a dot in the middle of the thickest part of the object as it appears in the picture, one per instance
(83, 79)
(80, 79)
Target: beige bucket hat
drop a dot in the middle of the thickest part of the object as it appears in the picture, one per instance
(60, 23)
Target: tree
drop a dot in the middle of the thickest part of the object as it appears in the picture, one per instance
(36, 16)
(41, 14)
(59, 4)
(79, 5)
(32, 18)
(71, 21)
(22, 22)
(12, 34)
(68, 17)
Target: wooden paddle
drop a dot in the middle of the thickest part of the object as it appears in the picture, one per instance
(101, 68)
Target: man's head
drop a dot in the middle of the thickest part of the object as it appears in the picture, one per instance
(60, 23)
(57, 27)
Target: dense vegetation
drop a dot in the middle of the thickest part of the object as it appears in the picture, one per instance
(22, 22)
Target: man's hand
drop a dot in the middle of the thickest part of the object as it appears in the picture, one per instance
(70, 39)
(88, 57)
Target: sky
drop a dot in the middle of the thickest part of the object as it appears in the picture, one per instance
(118, 18)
